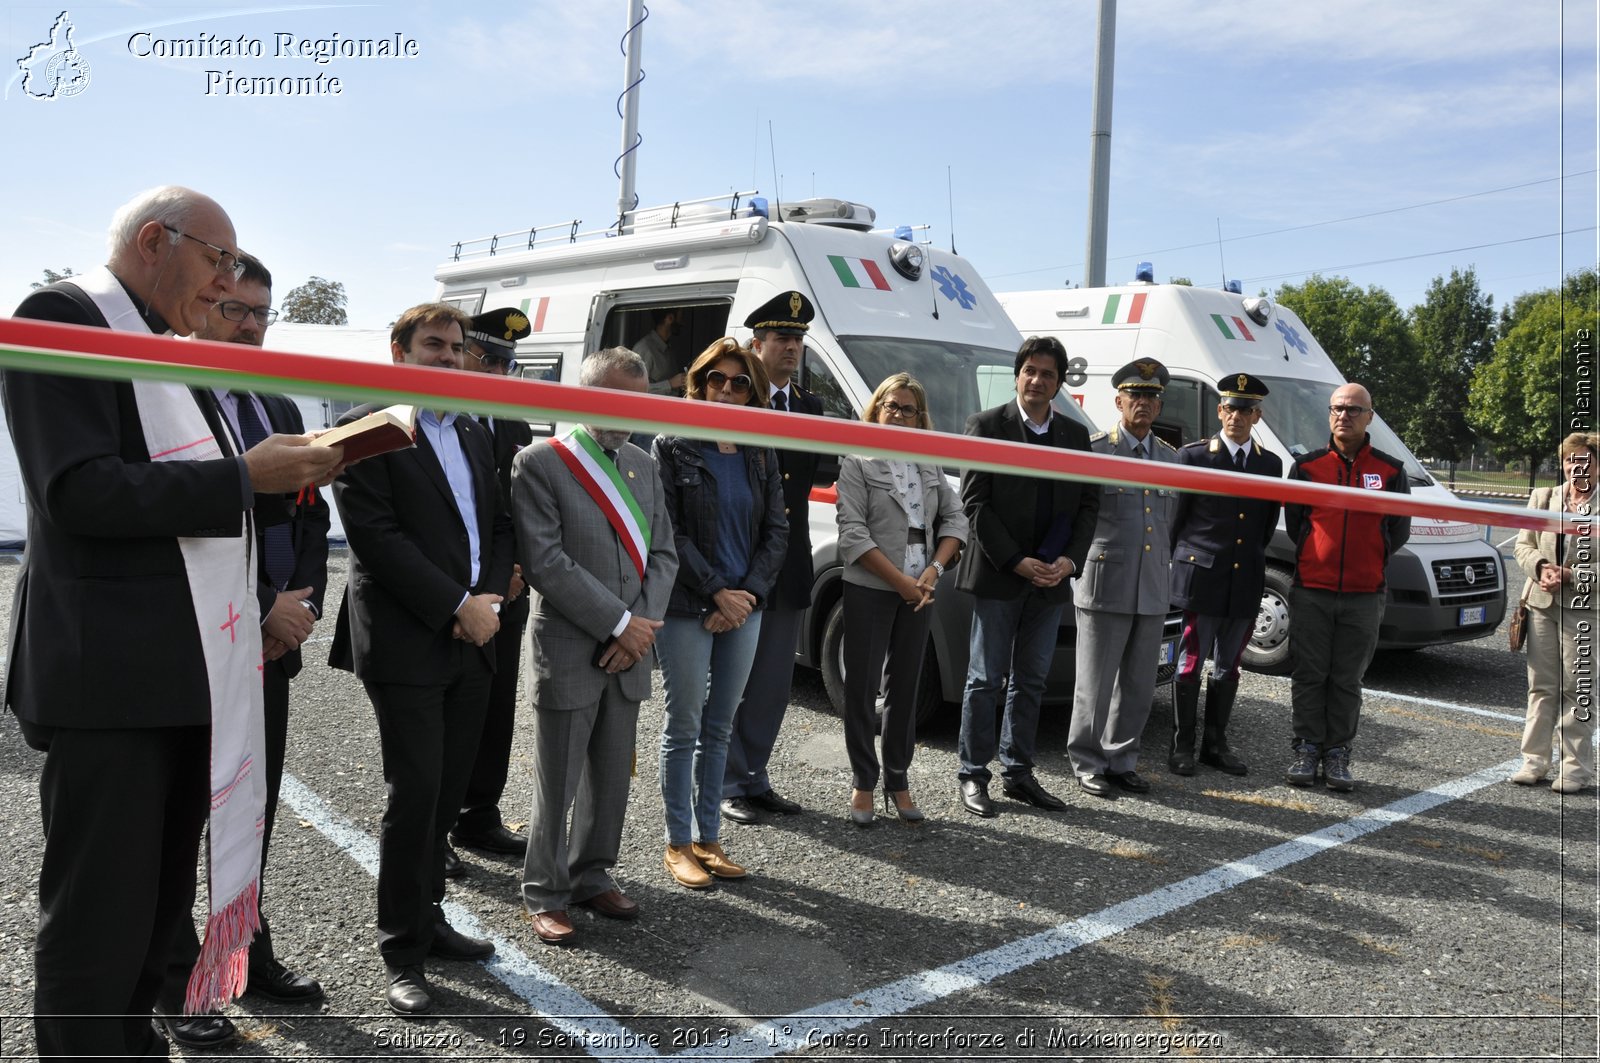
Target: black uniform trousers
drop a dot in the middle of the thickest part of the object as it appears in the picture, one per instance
(480, 809)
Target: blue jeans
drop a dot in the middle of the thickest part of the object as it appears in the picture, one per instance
(1016, 637)
(704, 677)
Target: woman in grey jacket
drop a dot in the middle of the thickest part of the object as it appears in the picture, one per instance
(900, 526)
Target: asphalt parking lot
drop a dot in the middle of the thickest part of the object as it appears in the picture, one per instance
(1435, 913)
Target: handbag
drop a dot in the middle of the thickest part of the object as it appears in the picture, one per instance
(1517, 633)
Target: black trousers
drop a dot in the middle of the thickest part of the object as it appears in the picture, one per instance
(186, 950)
(480, 809)
(884, 640)
(123, 810)
(429, 736)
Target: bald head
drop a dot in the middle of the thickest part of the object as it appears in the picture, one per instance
(1349, 414)
(174, 248)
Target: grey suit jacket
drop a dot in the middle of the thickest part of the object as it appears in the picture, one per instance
(870, 514)
(582, 576)
(1534, 547)
(1129, 562)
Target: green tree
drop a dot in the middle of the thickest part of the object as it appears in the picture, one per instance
(1454, 328)
(1367, 336)
(1525, 397)
(51, 276)
(316, 302)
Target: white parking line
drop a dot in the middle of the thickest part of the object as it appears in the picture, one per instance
(1435, 702)
(561, 1006)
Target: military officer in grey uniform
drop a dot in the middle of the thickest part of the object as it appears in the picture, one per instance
(1122, 598)
(1219, 568)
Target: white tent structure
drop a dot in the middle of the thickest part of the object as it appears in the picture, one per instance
(365, 345)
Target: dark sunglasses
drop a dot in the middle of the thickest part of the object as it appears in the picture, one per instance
(719, 380)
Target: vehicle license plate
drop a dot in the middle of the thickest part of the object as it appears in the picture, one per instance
(1473, 614)
(1169, 650)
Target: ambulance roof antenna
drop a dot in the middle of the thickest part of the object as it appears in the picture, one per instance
(1219, 256)
(632, 44)
(777, 185)
(950, 199)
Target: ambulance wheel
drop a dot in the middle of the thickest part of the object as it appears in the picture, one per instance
(929, 695)
(1268, 649)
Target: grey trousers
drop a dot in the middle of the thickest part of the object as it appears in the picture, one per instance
(1331, 641)
(582, 761)
(1116, 683)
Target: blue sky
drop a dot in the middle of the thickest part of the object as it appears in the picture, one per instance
(1252, 116)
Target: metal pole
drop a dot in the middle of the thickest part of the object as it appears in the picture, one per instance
(628, 162)
(1100, 145)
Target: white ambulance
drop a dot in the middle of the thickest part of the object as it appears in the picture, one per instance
(1446, 585)
(884, 304)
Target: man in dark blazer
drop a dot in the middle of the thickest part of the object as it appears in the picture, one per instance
(104, 592)
(430, 562)
(492, 348)
(780, 327)
(1219, 569)
(592, 649)
(291, 576)
(1029, 536)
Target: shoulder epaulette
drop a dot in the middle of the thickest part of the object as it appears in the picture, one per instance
(1164, 443)
(1098, 436)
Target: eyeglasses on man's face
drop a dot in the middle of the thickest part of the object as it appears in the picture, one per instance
(225, 262)
(1340, 409)
(234, 310)
(899, 412)
(740, 385)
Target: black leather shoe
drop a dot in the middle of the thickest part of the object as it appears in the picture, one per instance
(1098, 785)
(1026, 788)
(453, 867)
(773, 801)
(408, 992)
(975, 799)
(501, 841)
(274, 981)
(451, 944)
(200, 1032)
(1130, 781)
(740, 810)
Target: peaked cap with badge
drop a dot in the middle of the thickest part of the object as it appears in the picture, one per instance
(1143, 375)
(788, 314)
(1241, 390)
(500, 329)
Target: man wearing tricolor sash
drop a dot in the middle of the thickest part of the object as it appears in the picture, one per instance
(596, 547)
(135, 642)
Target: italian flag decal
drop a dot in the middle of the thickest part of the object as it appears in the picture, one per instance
(1232, 328)
(1123, 310)
(858, 273)
(538, 314)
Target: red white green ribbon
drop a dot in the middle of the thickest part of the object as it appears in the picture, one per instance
(598, 475)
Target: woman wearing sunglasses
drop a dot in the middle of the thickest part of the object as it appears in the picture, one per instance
(900, 526)
(726, 502)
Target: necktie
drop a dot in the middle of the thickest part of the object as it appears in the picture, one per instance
(612, 455)
(278, 552)
(489, 424)
(779, 402)
(1238, 459)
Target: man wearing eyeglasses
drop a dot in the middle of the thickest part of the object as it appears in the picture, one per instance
(1338, 596)
(1121, 601)
(291, 577)
(137, 571)
(492, 349)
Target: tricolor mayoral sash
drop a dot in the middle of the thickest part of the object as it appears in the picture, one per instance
(598, 475)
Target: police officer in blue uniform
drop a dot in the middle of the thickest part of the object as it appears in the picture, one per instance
(1219, 568)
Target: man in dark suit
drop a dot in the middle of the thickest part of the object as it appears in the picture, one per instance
(780, 327)
(492, 348)
(1219, 569)
(291, 577)
(600, 606)
(1031, 535)
(105, 592)
(430, 562)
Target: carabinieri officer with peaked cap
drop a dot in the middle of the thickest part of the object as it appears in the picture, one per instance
(1219, 569)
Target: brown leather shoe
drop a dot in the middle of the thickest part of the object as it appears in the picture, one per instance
(714, 860)
(613, 904)
(681, 865)
(552, 928)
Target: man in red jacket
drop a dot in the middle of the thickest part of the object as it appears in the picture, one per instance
(1338, 596)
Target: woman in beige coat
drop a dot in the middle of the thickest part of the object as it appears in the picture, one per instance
(900, 526)
(1561, 627)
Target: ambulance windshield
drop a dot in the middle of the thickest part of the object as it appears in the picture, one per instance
(1297, 412)
(960, 379)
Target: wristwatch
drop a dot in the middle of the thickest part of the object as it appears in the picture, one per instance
(939, 568)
